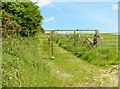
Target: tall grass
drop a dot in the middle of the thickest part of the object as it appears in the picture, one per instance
(23, 65)
(100, 56)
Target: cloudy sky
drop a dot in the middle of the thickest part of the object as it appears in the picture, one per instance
(80, 14)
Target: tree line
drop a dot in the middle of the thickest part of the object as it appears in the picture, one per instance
(21, 16)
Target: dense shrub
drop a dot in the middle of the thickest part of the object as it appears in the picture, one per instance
(23, 14)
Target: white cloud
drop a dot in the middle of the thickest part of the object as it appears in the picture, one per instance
(49, 19)
(43, 3)
(114, 6)
(34, 0)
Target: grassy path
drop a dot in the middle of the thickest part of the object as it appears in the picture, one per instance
(73, 71)
(28, 67)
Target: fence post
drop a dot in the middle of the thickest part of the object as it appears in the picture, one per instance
(52, 50)
(97, 38)
(75, 40)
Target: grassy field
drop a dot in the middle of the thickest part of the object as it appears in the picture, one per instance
(105, 54)
(26, 64)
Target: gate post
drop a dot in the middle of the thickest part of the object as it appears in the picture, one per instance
(52, 50)
(75, 40)
(97, 38)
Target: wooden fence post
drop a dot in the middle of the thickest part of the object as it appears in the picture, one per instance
(75, 40)
(97, 38)
(52, 50)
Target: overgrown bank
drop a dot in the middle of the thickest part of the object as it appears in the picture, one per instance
(30, 65)
(26, 64)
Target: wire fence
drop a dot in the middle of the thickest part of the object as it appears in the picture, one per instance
(69, 41)
(74, 41)
(109, 40)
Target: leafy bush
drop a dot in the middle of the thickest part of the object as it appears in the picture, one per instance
(23, 14)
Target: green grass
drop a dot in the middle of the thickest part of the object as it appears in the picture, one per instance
(18, 62)
(104, 55)
(79, 71)
(101, 57)
(26, 66)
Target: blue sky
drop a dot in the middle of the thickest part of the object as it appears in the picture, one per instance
(80, 15)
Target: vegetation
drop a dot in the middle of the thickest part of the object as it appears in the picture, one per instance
(21, 16)
(26, 64)
(100, 56)
(23, 66)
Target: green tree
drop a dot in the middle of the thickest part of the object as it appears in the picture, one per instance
(26, 14)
